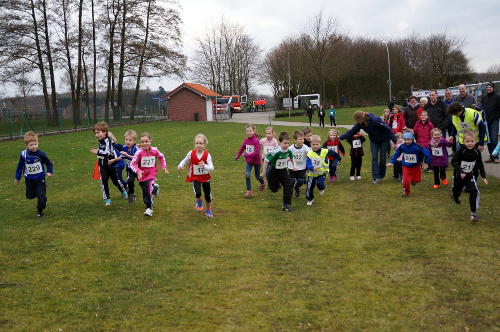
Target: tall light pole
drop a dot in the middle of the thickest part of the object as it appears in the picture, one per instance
(389, 82)
(289, 99)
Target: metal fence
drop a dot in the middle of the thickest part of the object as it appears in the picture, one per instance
(15, 123)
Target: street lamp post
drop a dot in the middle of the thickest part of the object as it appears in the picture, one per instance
(389, 82)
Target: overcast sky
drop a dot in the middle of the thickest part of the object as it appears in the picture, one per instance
(270, 21)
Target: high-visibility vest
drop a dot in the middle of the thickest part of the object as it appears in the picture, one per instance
(467, 125)
(320, 160)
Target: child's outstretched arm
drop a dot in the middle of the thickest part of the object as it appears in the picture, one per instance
(240, 151)
(184, 161)
(19, 170)
(395, 157)
(163, 162)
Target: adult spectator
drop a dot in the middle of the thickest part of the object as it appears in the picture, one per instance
(380, 134)
(437, 112)
(467, 119)
(309, 113)
(490, 103)
(321, 116)
(342, 101)
(464, 98)
(448, 98)
(410, 112)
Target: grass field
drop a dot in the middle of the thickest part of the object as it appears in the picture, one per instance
(343, 116)
(360, 258)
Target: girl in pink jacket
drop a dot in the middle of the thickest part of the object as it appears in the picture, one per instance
(144, 165)
(251, 146)
(422, 130)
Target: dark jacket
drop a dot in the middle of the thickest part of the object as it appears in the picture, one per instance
(356, 152)
(490, 103)
(376, 129)
(466, 101)
(309, 112)
(411, 115)
(463, 160)
(437, 114)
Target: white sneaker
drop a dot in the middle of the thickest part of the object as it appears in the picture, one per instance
(351, 178)
(321, 192)
(359, 178)
(309, 203)
(148, 212)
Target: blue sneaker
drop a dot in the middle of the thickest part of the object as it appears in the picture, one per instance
(199, 205)
(107, 202)
(124, 195)
(209, 214)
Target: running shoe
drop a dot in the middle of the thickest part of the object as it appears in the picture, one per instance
(148, 212)
(107, 202)
(209, 214)
(199, 205)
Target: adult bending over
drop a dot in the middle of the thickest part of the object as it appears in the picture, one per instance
(379, 134)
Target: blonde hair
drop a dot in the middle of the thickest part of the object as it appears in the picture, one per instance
(398, 135)
(101, 126)
(436, 130)
(470, 134)
(145, 134)
(111, 136)
(334, 131)
(316, 138)
(130, 133)
(396, 106)
(250, 125)
(272, 130)
(202, 136)
(30, 136)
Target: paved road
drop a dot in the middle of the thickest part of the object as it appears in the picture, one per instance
(267, 118)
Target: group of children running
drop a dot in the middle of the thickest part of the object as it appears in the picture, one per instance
(307, 161)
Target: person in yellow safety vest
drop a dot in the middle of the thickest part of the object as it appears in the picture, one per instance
(467, 119)
(317, 167)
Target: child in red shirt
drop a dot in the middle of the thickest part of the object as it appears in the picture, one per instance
(333, 143)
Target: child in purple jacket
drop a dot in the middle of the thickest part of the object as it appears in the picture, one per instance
(251, 146)
(439, 156)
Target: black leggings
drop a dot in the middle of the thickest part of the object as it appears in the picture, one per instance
(197, 186)
(106, 174)
(321, 121)
(356, 162)
(332, 122)
(147, 192)
(131, 176)
(439, 173)
(470, 184)
(281, 176)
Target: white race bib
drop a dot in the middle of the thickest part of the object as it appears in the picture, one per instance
(438, 152)
(299, 158)
(250, 148)
(281, 163)
(394, 125)
(35, 168)
(148, 161)
(316, 162)
(410, 158)
(199, 170)
(464, 126)
(268, 149)
(356, 143)
(467, 166)
(334, 148)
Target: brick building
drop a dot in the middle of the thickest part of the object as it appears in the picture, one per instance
(190, 101)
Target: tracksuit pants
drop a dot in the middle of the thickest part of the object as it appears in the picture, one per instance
(332, 122)
(38, 190)
(131, 176)
(439, 174)
(471, 185)
(281, 177)
(332, 167)
(356, 162)
(198, 186)
(297, 179)
(147, 192)
(411, 175)
(314, 181)
(322, 121)
(106, 174)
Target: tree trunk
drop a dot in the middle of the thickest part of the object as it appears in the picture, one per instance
(79, 65)
(121, 69)
(94, 72)
(68, 58)
(52, 115)
(40, 59)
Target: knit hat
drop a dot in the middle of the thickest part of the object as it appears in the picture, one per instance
(489, 83)
(408, 135)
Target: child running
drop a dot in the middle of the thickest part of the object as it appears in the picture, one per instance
(251, 146)
(299, 151)
(31, 165)
(467, 164)
(117, 162)
(106, 152)
(128, 151)
(333, 143)
(200, 166)
(307, 136)
(144, 165)
(356, 141)
(412, 158)
(268, 144)
(439, 156)
(317, 167)
(278, 175)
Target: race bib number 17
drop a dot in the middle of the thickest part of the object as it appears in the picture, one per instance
(148, 161)
(199, 170)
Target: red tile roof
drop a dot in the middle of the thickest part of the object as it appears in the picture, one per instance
(198, 88)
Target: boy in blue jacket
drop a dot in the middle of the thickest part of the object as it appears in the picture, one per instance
(31, 164)
(412, 158)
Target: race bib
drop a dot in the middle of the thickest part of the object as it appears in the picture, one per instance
(199, 170)
(35, 168)
(299, 158)
(334, 148)
(394, 125)
(316, 162)
(467, 166)
(267, 149)
(148, 161)
(250, 149)
(410, 158)
(464, 126)
(438, 152)
(356, 143)
(281, 163)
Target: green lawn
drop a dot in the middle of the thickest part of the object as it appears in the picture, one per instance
(343, 116)
(360, 258)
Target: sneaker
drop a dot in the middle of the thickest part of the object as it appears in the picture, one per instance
(297, 192)
(107, 202)
(148, 212)
(40, 214)
(330, 179)
(156, 189)
(309, 203)
(376, 181)
(474, 217)
(436, 186)
(199, 205)
(248, 194)
(358, 177)
(334, 178)
(351, 178)
(445, 182)
(209, 214)
(124, 195)
(131, 198)
(262, 186)
(287, 208)
(321, 192)
(455, 199)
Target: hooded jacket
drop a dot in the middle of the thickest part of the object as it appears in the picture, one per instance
(422, 132)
